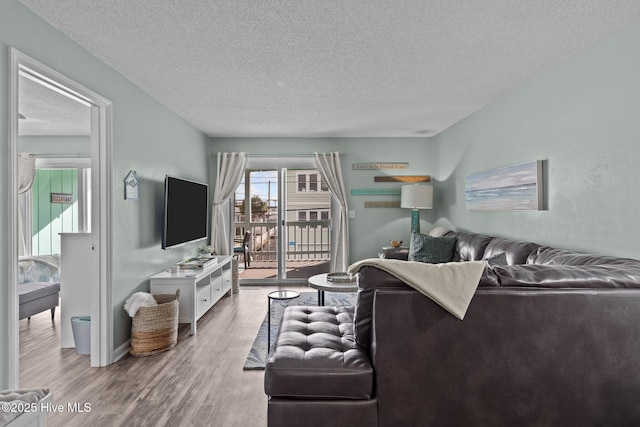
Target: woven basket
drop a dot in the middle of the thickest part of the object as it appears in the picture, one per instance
(155, 329)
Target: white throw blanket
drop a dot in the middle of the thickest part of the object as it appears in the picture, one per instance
(451, 285)
(137, 300)
(52, 261)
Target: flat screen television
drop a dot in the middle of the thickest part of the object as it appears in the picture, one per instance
(185, 211)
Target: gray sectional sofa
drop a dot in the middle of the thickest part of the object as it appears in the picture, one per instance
(551, 337)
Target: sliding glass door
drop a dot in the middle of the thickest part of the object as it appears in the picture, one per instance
(256, 217)
(307, 223)
(287, 213)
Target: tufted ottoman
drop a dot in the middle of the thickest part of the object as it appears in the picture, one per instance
(316, 358)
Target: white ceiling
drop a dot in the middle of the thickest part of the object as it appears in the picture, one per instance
(343, 68)
(47, 112)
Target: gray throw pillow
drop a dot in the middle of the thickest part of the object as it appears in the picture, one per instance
(429, 249)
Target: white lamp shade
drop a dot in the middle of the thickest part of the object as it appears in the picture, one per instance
(416, 197)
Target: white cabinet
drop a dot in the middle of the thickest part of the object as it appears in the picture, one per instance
(76, 275)
(200, 289)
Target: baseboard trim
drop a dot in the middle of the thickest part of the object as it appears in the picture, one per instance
(121, 351)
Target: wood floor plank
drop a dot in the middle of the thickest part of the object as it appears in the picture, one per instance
(198, 383)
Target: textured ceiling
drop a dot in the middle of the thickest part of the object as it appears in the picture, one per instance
(331, 67)
(47, 112)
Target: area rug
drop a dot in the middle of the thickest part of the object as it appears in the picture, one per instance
(258, 353)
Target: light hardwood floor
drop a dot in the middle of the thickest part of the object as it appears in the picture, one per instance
(198, 383)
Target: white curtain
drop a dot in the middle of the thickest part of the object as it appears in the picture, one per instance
(230, 171)
(26, 171)
(331, 170)
(26, 176)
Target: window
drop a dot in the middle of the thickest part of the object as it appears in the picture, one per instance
(314, 215)
(308, 182)
(302, 183)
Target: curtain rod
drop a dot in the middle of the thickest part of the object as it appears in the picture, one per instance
(342, 154)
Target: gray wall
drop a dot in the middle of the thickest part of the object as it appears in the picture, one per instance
(372, 228)
(39, 144)
(146, 137)
(583, 119)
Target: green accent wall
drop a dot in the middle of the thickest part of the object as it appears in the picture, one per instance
(50, 219)
(582, 118)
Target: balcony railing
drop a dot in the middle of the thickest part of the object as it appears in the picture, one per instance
(305, 240)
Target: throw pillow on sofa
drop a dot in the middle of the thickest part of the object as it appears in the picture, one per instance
(429, 249)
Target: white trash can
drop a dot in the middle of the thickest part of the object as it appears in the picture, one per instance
(81, 326)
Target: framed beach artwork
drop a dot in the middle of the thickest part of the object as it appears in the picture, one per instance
(511, 188)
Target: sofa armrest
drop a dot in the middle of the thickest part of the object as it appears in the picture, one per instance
(520, 357)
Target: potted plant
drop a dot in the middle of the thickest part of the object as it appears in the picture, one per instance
(206, 251)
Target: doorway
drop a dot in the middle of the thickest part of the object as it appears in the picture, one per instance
(99, 247)
(286, 209)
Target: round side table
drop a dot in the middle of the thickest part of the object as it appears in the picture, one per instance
(320, 282)
(277, 295)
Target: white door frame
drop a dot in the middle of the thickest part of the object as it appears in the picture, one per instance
(101, 141)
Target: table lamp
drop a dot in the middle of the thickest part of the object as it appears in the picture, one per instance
(416, 197)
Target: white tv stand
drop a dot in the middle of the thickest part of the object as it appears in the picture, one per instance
(200, 289)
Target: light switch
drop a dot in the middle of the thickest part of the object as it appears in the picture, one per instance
(352, 214)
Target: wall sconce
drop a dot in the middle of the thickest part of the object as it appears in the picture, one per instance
(416, 197)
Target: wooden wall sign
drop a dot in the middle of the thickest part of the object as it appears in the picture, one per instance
(383, 165)
(61, 198)
(375, 191)
(403, 178)
(381, 204)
